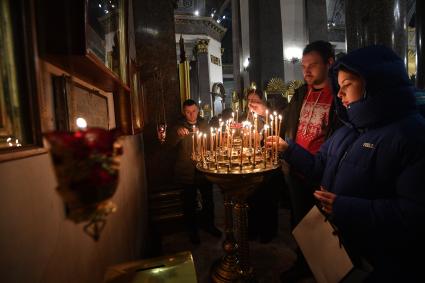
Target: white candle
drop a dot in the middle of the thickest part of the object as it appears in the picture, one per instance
(280, 125)
(205, 144)
(193, 142)
(220, 123)
(271, 134)
(255, 145)
(267, 116)
(250, 137)
(211, 140)
(198, 143)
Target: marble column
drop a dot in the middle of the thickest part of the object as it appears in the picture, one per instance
(156, 60)
(265, 42)
(377, 22)
(316, 20)
(204, 90)
(420, 44)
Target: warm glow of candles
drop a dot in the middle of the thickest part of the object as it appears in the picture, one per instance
(255, 146)
(211, 139)
(193, 141)
(238, 147)
(271, 134)
(250, 137)
(205, 144)
(198, 143)
(81, 123)
(280, 125)
(267, 116)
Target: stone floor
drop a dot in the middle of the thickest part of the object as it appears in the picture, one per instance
(268, 260)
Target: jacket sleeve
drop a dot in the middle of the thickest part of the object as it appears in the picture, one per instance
(311, 166)
(173, 138)
(397, 218)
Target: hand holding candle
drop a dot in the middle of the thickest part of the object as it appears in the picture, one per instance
(277, 142)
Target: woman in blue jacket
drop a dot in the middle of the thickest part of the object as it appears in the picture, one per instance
(372, 170)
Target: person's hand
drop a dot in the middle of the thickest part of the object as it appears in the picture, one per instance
(282, 144)
(257, 107)
(182, 131)
(326, 199)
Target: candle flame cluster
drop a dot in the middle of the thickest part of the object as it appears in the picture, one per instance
(234, 147)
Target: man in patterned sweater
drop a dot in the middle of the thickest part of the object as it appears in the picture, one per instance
(309, 120)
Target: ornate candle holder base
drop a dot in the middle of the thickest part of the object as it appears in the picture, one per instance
(236, 186)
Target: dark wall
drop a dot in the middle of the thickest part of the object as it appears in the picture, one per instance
(37, 242)
(266, 48)
(156, 55)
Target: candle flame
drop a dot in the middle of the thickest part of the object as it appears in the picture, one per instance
(81, 123)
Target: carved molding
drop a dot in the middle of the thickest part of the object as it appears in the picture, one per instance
(188, 24)
(202, 46)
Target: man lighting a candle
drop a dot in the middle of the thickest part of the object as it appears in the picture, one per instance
(186, 175)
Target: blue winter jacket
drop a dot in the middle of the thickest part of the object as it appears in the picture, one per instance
(375, 164)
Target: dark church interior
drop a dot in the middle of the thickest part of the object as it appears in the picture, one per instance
(134, 145)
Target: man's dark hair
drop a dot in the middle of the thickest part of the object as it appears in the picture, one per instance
(189, 102)
(324, 48)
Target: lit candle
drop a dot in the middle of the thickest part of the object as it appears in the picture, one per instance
(197, 143)
(275, 134)
(81, 123)
(275, 121)
(255, 146)
(242, 134)
(271, 134)
(250, 137)
(216, 140)
(193, 142)
(211, 140)
(220, 123)
(205, 144)
(201, 151)
(280, 125)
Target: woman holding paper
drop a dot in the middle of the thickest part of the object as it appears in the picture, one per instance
(372, 170)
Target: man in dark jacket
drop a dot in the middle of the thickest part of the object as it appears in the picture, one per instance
(188, 177)
(309, 120)
(372, 169)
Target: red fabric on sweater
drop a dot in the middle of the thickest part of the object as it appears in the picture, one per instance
(314, 118)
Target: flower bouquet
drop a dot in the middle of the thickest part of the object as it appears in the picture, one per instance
(86, 164)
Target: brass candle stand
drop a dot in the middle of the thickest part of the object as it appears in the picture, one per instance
(238, 171)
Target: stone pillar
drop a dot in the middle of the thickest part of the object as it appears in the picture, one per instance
(294, 33)
(420, 44)
(204, 92)
(236, 45)
(377, 22)
(266, 47)
(156, 59)
(316, 20)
